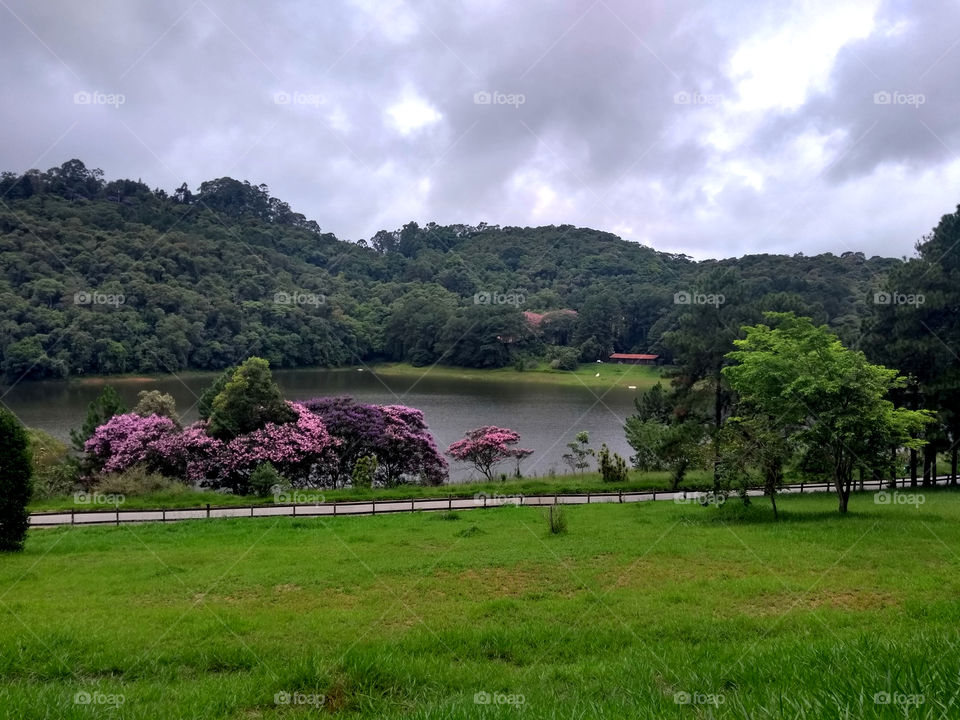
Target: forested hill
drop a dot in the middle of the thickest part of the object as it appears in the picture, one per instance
(106, 277)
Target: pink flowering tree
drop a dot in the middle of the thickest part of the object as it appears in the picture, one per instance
(127, 440)
(487, 446)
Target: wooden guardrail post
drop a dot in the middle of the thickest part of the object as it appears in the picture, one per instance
(208, 510)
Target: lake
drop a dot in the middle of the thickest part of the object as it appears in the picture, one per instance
(546, 416)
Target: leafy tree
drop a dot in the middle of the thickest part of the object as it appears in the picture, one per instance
(15, 482)
(579, 452)
(205, 403)
(364, 472)
(248, 401)
(264, 479)
(485, 447)
(105, 406)
(677, 446)
(799, 379)
(154, 402)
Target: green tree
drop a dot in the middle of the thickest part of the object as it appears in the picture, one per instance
(15, 482)
(800, 380)
(579, 452)
(105, 406)
(154, 402)
(248, 401)
(205, 403)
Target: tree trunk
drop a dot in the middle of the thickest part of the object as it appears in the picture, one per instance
(953, 464)
(913, 468)
(929, 465)
(893, 467)
(773, 502)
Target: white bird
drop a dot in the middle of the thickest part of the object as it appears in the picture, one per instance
(597, 375)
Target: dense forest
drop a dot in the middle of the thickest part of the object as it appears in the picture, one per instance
(111, 277)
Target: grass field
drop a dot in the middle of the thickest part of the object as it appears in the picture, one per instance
(610, 374)
(654, 610)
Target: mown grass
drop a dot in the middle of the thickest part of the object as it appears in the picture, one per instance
(593, 375)
(413, 615)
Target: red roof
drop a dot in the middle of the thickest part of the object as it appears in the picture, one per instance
(633, 356)
(535, 319)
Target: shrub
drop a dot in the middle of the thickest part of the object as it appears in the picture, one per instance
(249, 401)
(364, 471)
(15, 482)
(612, 469)
(265, 478)
(135, 480)
(557, 519)
(154, 402)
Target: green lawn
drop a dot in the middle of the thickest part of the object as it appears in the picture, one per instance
(412, 616)
(641, 376)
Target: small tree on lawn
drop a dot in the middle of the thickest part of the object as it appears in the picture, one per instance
(579, 452)
(613, 468)
(484, 447)
(799, 379)
(15, 482)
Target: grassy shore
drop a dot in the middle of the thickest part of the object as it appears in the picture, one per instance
(653, 610)
(592, 375)
(588, 482)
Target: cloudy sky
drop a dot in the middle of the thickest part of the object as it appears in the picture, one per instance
(709, 128)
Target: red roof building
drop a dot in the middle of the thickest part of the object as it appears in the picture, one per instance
(634, 358)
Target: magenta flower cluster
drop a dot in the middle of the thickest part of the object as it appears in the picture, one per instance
(310, 451)
(486, 446)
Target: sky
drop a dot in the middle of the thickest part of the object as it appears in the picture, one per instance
(713, 129)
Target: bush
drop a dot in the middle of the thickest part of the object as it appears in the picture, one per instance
(612, 469)
(136, 480)
(557, 519)
(264, 479)
(364, 471)
(15, 482)
(565, 359)
(57, 480)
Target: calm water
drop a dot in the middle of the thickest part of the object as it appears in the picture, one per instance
(546, 416)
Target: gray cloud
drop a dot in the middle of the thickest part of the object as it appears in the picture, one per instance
(601, 139)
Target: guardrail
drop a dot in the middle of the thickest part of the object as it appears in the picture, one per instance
(382, 507)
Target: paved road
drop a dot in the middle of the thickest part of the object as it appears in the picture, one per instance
(379, 507)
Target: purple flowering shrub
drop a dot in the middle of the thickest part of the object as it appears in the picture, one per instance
(320, 447)
(486, 446)
(397, 435)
